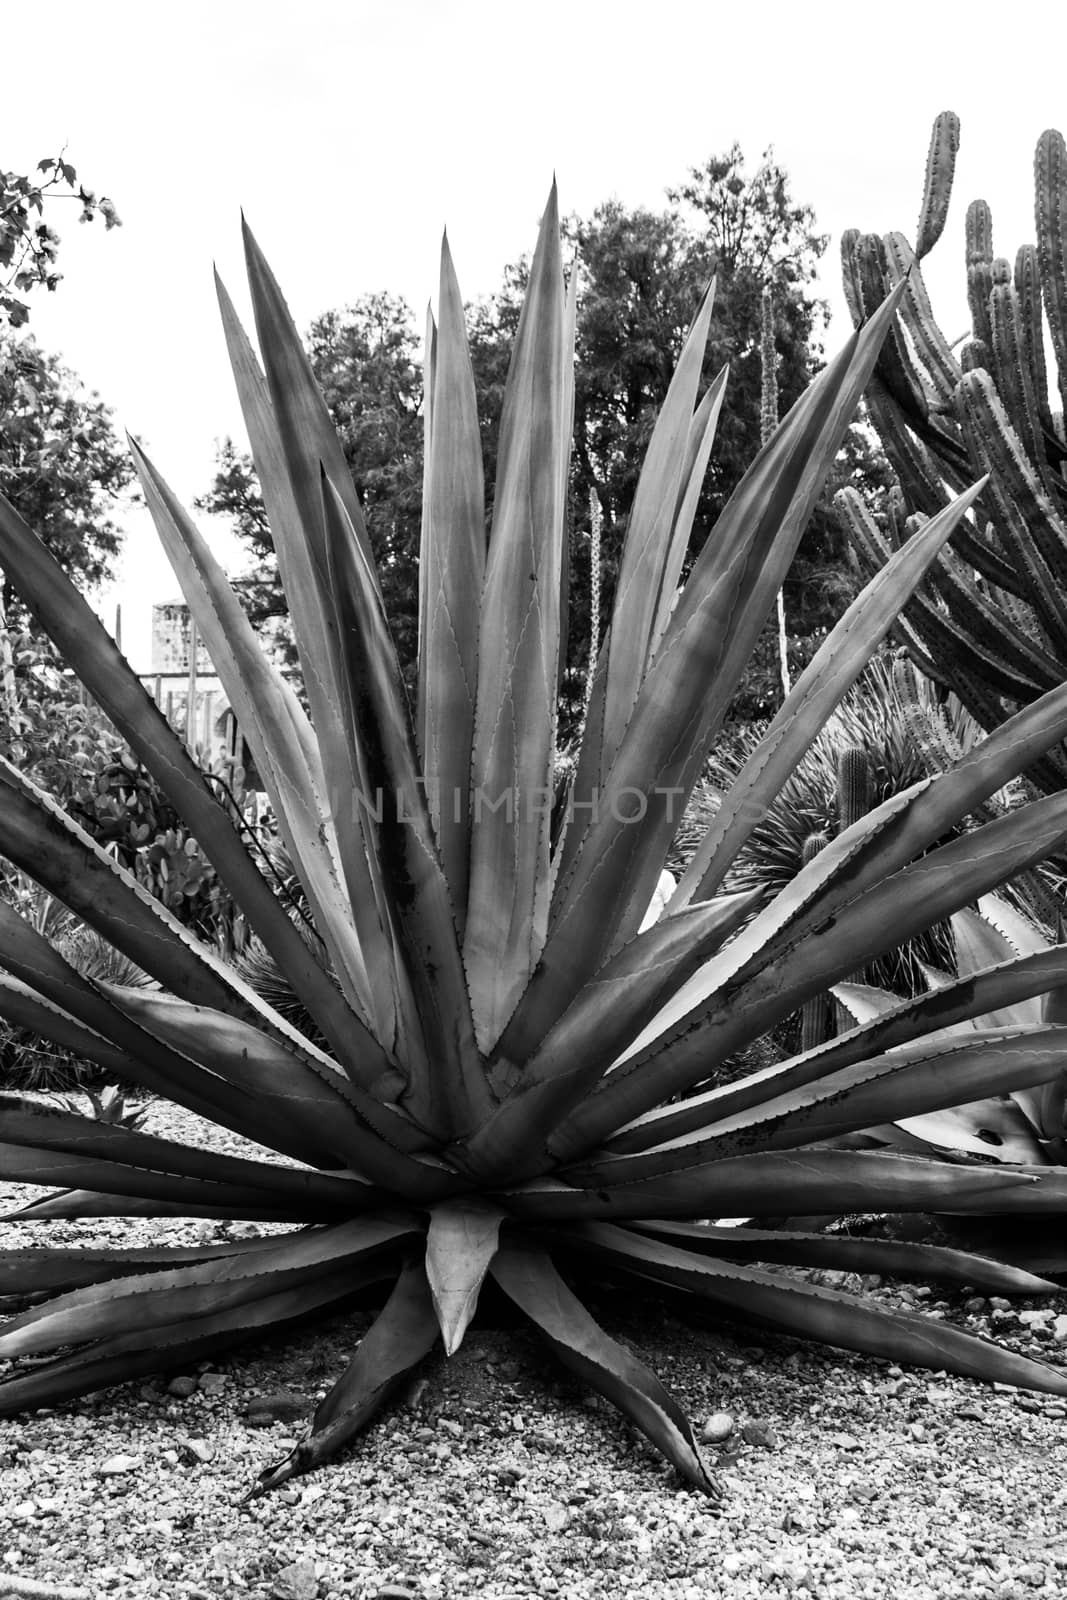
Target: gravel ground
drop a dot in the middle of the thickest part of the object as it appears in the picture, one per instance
(497, 1477)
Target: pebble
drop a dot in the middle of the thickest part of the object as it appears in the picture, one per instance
(845, 1441)
(212, 1382)
(763, 1438)
(1059, 1329)
(296, 1582)
(182, 1386)
(281, 1405)
(115, 1465)
(719, 1426)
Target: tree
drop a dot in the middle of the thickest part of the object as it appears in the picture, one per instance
(28, 245)
(61, 463)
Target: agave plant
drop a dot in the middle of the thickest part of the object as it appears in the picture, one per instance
(507, 1081)
(1025, 1126)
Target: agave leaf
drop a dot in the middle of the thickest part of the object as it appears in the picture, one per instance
(909, 1081)
(451, 572)
(21, 1007)
(275, 726)
(301, 1084)
(979, 945)
(528, 1277)
(158, 1299)
(122, 1159)
(32, 1271)
(802, 1182)
(514, 737)
(631, 987)
(120, 1359)
(824, 1314)
(32, 961)
(46, 1166)
(460, 1245)
(37, 835)
(842, 1253)
(996, 1129)
(446, 1098)
(645, 556)
(76, 1203)
(887, 1027)
(295, 516)
(687, 689)
(87, 648)
(404, 1332)
(836, 666)
(429, 384)
(887, 914)
(698, 454)
(1017, 930)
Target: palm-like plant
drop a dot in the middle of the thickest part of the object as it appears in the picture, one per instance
(505, 1052)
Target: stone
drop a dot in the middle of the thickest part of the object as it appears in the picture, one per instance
(296, 1582)
(556, 1516)
(281, 1405)
(718, 1428)
(845, 1441)
(182, 1387)
(1059, 1329)
(761, 1437)
(397, 1591)
(212, 1382)
(115, 1465)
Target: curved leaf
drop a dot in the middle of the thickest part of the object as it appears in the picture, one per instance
(824, 1314)
(528, 1277)
(460, 1245)
(404, 1332)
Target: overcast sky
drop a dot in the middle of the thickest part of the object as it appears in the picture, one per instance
(351, 133)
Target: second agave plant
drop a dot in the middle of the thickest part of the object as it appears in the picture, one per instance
(515, 1081)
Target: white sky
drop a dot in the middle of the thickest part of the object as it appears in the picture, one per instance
(351, 133)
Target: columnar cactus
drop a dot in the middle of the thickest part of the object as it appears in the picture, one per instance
(991, 620)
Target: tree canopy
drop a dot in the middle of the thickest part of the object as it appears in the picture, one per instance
(643, 273)
(62, 465)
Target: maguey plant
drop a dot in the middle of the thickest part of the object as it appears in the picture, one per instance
(510, 1083)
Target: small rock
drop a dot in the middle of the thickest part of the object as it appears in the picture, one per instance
(556, 1516)
(761, 1437)
(296, 1582)
(1030, 1319)
(183, 1387)
(718, 1428)
(1059, 1329)
(397, 1591)
(282, 1405)
(454, 1428)
(212, 1382)
(114, 1465)
(976, 1305)
(845, 1441)
(999, 1303)
(970, 1412)
(1028, 1402)
(195, 1450)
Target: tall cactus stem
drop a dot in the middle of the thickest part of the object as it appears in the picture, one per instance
(937, 188)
